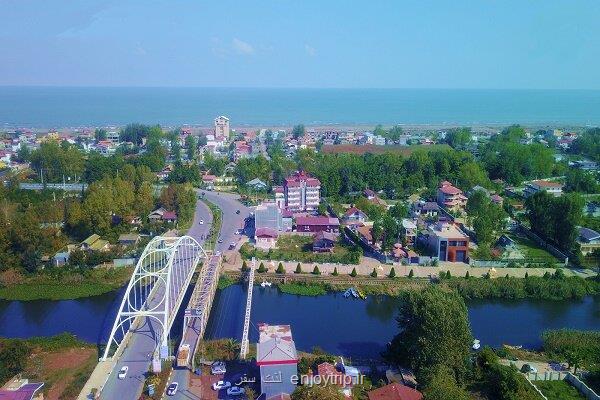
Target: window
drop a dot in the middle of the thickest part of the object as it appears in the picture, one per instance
(453, 243)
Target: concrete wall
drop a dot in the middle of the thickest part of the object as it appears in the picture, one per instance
(582, 387)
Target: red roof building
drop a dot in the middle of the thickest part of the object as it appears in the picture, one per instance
(450, 197)
(317, 224)
(301, 192)
(395, 391)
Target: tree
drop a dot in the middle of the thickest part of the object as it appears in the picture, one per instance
(443, 386)
(298, 269)
(317, 392)
(144, 200)
(577, 348)
(459, 138)
(261, 268)
(244, 266)
(100, 134)
(335, 272)
(577, 180)
(316, 271)
(298, 131)
(280, 269)
(191, 146)
(393, 273)
(353, 273)
(411, 274)
(434, 333)
(374, 273)
(13, 358)
(486, 217)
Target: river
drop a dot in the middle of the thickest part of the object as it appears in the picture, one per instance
(351, 327)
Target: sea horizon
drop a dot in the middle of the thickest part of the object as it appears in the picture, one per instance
(79, 106)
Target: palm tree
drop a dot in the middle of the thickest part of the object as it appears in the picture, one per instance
(231, 347)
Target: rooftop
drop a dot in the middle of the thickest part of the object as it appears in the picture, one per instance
(546, 184)
(319, 220)
(448, 231)
(394, 391)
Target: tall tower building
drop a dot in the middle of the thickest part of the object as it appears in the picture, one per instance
(222, 127)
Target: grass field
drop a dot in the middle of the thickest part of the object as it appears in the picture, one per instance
(530, 249)
(559, 390)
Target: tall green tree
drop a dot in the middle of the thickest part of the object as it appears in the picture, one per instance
(434, 333)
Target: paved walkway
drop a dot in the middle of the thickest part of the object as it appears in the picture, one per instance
(234, 262)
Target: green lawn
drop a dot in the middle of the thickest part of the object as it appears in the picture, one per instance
(531, 249)
(559, 390)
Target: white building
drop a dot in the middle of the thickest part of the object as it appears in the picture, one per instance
(222, 127)
(553, 188)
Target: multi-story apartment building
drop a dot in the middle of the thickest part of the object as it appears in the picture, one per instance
(300, 192)
(222, 127)
(450, 197)
(449, 242)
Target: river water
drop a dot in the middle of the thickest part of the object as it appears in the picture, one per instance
(350, 327)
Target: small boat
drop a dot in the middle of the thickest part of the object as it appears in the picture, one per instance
(265, 284)
(347, 293)
(361, 294)
(351, 292)
(476, 344)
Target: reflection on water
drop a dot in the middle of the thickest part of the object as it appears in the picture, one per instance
(351, 327)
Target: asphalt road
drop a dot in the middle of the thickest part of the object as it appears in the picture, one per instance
(231, 222)
(137, 354)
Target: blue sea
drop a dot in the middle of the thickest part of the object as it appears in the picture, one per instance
(92, 106)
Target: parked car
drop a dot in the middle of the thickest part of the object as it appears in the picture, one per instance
(172, 389)
(123, 372)
(237, 212)
(218, 367)
(231, 245)
(201, 222)
(235, 391)
(220, 240)
(221, 385)
(526, 368)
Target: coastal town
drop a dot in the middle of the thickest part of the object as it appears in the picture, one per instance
(506, 212)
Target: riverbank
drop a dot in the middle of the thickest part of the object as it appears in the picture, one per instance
(549, 287)
(62, 362)
(62, 283)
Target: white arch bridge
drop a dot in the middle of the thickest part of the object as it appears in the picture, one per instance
(155, 293)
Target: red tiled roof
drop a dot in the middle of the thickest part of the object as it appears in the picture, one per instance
(208, 178)
(335, 377)
(395, 391)
(320, 220)
(351, 211)
(266, 232)
(449, 189)
(169, 215)
(546, 184)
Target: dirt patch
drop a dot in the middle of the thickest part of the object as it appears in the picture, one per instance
(58, 369)
(10, 277)
(201, 386)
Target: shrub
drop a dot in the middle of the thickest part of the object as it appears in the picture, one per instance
(280, 269)
(244, 266)
(374, 273)
(393, 273)
(262, 269)
(298, 269)
(411, 273)
(353, 273)
(448, 275)
(526, 274)
(335, 272)
(467, 276)
(316, 271)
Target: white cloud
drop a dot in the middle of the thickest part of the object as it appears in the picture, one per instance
(311, 51)
(242, 47)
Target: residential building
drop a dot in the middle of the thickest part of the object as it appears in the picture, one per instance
(354, 216)
(301, 192)
(426, 209)
(395, 391)
(209, 181)
(553, 188)
(222, 127)
(449, 242)
(21, 389)
(588, 239)
(129, 239)
(317, 224)
(324, 241)
(277, 359)
(160, 214)
(450, 197)
(265, 238)
(279, 196)
(256, 184)
(94, 243)
(409, 229)
(113, 137)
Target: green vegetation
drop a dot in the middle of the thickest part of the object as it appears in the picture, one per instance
(531, 250)
(559, 390)
(434, 334)
(588, 144)
(577, 348)
(215, 228)
(546, 288)
(225, 281)
(303, 289)
(280, 269)
(219, 349)
(486, 218)
(64, 283)
(299, 248)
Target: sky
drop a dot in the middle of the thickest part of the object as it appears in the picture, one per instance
(503, 44)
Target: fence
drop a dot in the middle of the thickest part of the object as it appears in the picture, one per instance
(582, 387)
(569, 377)
(551, 249)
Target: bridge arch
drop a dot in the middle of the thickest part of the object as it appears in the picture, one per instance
(156, 290)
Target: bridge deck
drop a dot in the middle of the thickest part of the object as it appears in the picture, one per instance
(245, 344)
(198, 310)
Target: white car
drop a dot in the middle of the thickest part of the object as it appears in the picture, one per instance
(172, 389)
(201, 222)
(221, 385)
(235, 391)
(218, 367)
(123, 372)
